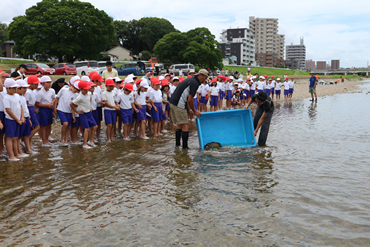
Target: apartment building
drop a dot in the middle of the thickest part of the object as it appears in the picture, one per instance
(321, 65)
(335, 64)
(296, 53)
(269, 45)
(310, 65)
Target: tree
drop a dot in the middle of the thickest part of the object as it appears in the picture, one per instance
(146, 55)
(172, 47)
(3, 32)
(128, 35)
(67, 29)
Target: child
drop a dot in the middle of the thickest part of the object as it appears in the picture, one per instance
(87, 121)
(214, 93)
(75, 116)
(30, 96)
(236, 99)
(155, 99)
(117, 90)
(25, 128)
(97, 80)
(268, 87)
(203, 99)
(286, 89)
(126, 101)
(261, 84)
(165, 88)
(273, 83)
(45, 101)
(246, 91)
(229, 92)
(13, 119)
(252, 86)
(95, 99)
(63, 101)
(277, 88)
(221, 86)
(175, 83)
(141, 103)
(2, 114)
(291, 87)
(110, 107)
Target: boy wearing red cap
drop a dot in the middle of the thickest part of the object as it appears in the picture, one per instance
(83, 101)
(155, 99)
(97, 80)
(291, 87)
(126, 102)
(110, 107)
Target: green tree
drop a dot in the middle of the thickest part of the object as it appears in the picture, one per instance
(172, 47)
(3, 32)
(67, 29)
(146, 55)
(128, 35)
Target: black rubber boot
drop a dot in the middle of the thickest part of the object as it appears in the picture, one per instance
(178, 137)
(185, 137)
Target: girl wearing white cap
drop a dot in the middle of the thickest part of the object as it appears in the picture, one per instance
(141, 102)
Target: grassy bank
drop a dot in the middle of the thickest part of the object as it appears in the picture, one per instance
(268, 71)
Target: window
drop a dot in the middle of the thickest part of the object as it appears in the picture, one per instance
(261, 32)
(240, 31)
(261, 28)
(261, 25)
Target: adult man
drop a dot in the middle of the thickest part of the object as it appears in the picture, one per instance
(148, 75)
(312, 87)
(109, 72)
(263, 115)
(181, 101)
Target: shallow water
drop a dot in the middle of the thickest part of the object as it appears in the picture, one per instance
(308, 187)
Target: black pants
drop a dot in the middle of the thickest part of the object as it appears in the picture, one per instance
(264, 130)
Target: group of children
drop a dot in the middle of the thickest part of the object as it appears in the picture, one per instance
(237, 92)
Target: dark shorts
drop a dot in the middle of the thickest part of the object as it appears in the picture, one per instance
(277, 92)
(260, 90)
(273, 90)
(252, 92)
(290, 90)
(167, 107)
(77, 123)
(110, 116)
(157, 115)
(229, 95)
(222, 95)
(286, 92)
(268, 91)
(33, 115)
(87, 120)
(100, 113)
(195, 100)
(141, 115)
(203, 100)
(126, 115)
(12, 128)
(214, 100)
(96, 116)
(65, 117)
(46, 116)
(2, 118)
(246, 92)
(25, 129)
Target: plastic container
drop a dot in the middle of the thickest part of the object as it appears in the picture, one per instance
(231, 129)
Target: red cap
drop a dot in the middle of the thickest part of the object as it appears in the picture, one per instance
(164, 82)
(248, 79)
(109, 82)
(138, 81)
(96, 77)
(155, 81)
(129, 87)
(286, 78)
(223, 78)
(219, 76)
(181, 79)
(151, 79)
(3, 74)
(92, 73)
(272, 76)
(265, 76)
(83, 85)
(189, 76)
(214, 80)
(32, 79)
(91, 84)
(292, 77)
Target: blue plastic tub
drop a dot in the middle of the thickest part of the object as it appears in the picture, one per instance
(230, 128)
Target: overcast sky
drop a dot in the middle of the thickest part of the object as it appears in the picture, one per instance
(332, 29)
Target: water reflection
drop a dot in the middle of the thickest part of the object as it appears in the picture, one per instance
(312, 111)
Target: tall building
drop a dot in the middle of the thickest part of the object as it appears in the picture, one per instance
(269, 48)
(238, 42)
(298, 54)
(321, 65)
(310, 65)
(335, 64)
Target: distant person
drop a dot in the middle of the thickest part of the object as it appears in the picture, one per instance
(180, 72)
(263, 115)
(20, 72)
(312, 86)
(109, 72)
(148, 75)
(170, 71)
(342, 79)
(241, 76)
(249, 71)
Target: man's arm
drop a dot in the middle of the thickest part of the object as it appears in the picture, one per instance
(190, 105)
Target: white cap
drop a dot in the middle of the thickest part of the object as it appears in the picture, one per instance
(26, 80)
(278, 79)
(40, 86)
(254, 77)
(262, 77)
(129, 79)
(85, 78)
(175, 78)
(45, 78)
(117, 79)
(231, 77)
(22, 83)
(75, 84)
(161, 77)
(191, 71)
(240, 80)
(9, 82)
(72, 80)
(144, 83)
(132, 76)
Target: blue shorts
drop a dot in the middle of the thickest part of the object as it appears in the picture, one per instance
(246, 92)
(33, 115)
(141, 115)
(195, 100)
(126, 115)
(157, 115)
(38, 115)
(268, 91)
(214, 100)
(260, 90)
(110, 116)
(229, 95)
(203, 100)
(290, 90)
(163, 116)
(25, 129)
(273, 90)
(277, 92)
(252, 92)
(46, 116)
(286, 92)
(12, 128)
(77, 123)
(95, 116)
(87, 120)
(65, 117)
(2, 118)
(167, 107)
(100, 113)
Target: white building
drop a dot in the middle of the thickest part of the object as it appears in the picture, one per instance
(297, 53)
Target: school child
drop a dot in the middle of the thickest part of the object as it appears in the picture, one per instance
(277, 88)
(228, 93)
(155, 99)
(126, 102)
(199, 97)
(95, 99)
(141, 105)
(286, 89)
(110, 107)
(14, 117)
(45, 102)
(246, 92)
(221, 87)
(204, 97)
(87, 121)
(64, 110)
(261, 84)
(268, 87)
(291, 87)
(97, 80)
(117, 90)
(273, 84)
(214, 93)
(165, 88)
(2, 114)
(30, 96)
(252, 86)
(75, 116)
(173, 86)
(25, 128)
(236, 99)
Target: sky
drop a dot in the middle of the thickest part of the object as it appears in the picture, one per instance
(332, 29)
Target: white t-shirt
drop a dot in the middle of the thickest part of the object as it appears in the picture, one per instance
(110, 98)
(286, 85)
(141, 98)
(214, 91)
(236, 98)
(45, 97)
(78, 107)
(273, 83)
(65, 98)
(246, 86)
(260, 85)
(2, 94)
(204, 89)
(172, 89)
(278, 85)
(253, 86)
(94, 101)
(291, 84)
(83, 102)
(125, 100)
(220, 85)
(97, 90)
(30, 96)
(13, 102)
(26, 112)
(156, 96)
(268, 86)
